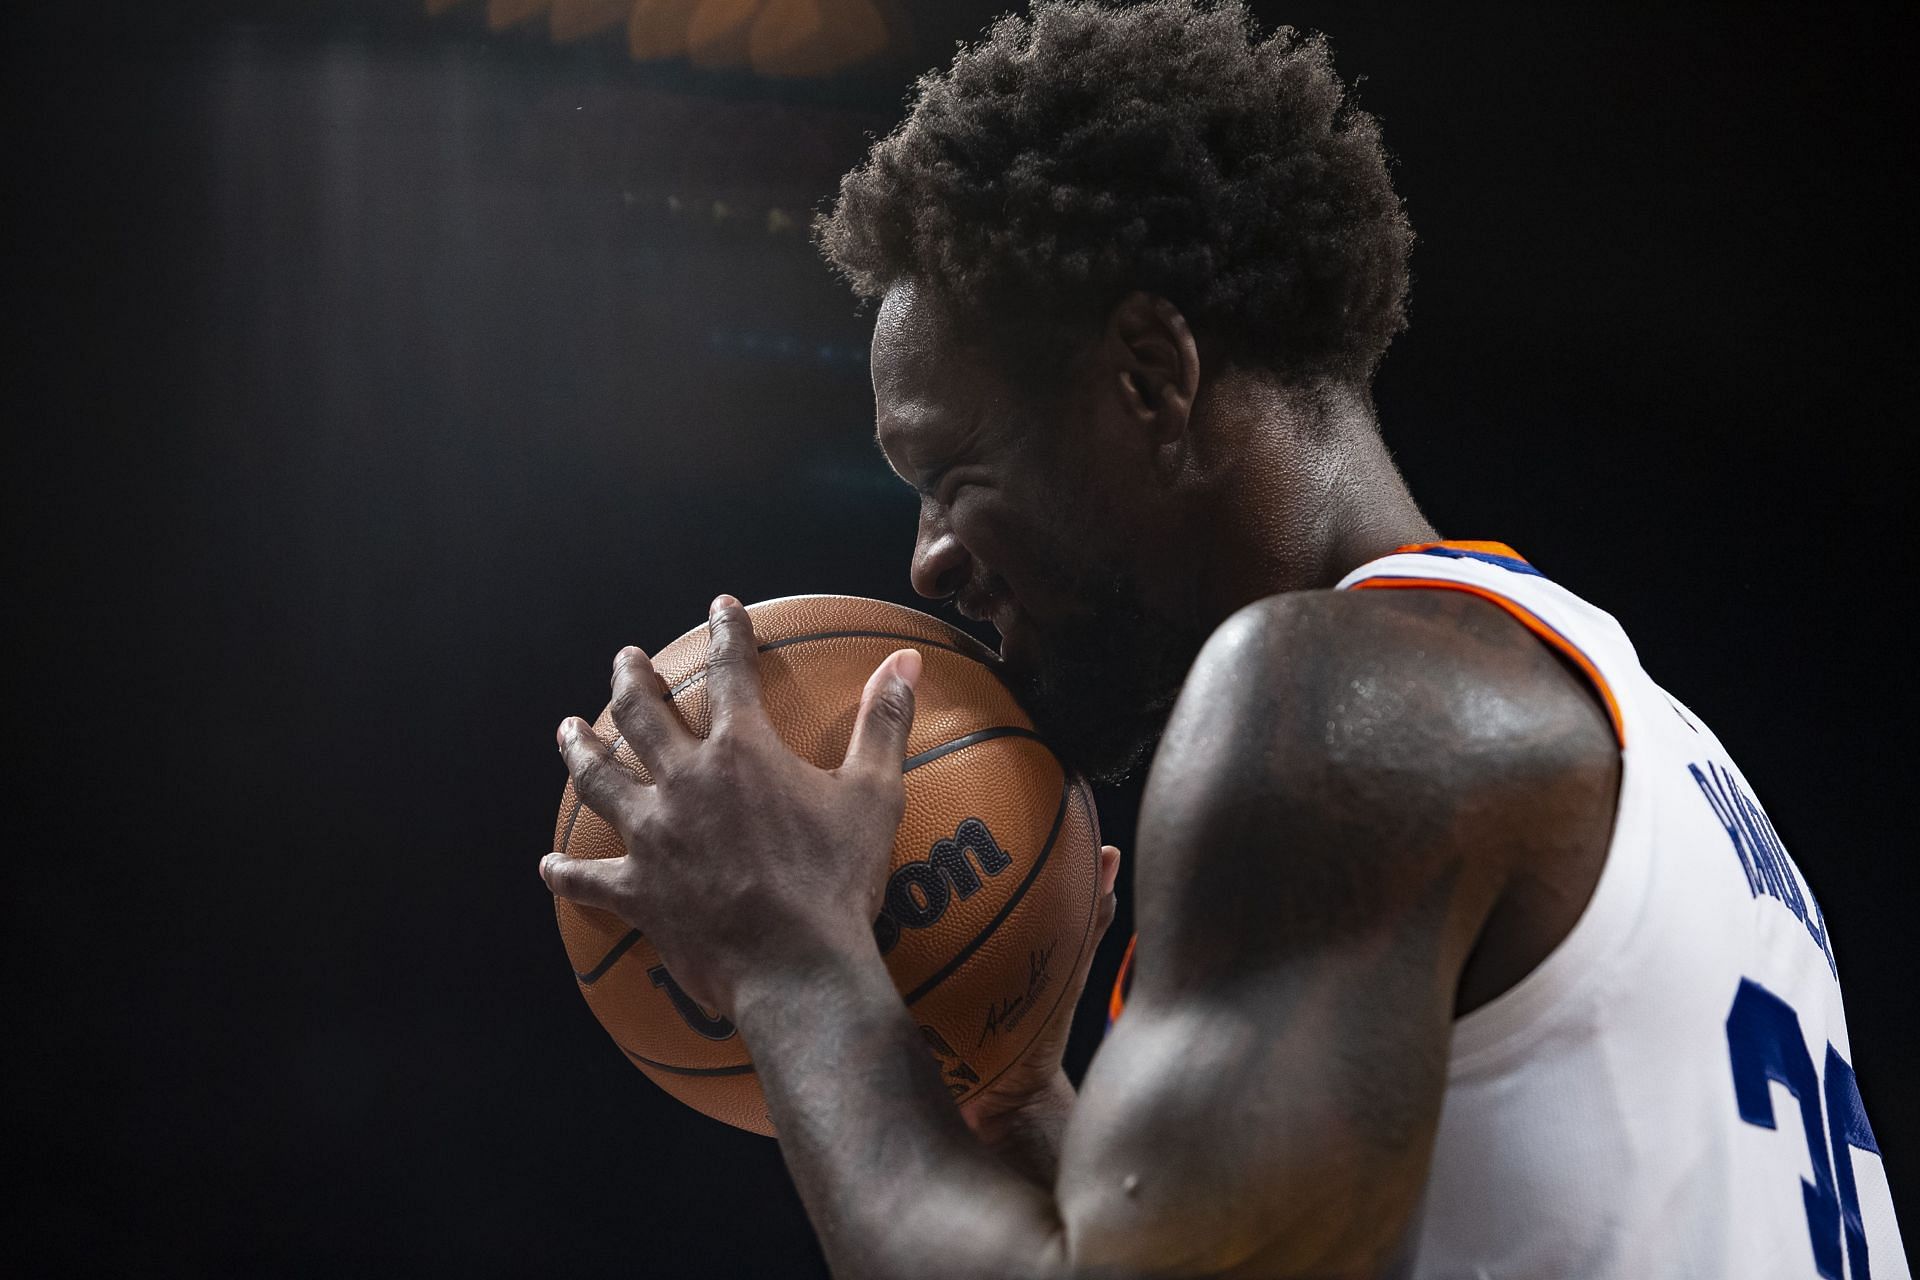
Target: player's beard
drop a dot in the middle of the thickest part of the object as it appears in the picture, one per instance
(1105, 681)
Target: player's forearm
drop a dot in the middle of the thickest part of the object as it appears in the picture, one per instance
(893, 1180)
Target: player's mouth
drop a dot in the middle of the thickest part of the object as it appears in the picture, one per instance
(1015, 642)
(998, 608)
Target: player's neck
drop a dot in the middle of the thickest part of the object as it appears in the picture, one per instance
(1371, 511)
(1315, 496)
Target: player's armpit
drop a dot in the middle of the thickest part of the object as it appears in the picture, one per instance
(1329, 823)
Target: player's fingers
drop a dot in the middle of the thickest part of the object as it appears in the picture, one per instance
(733, 666)
(642, 710)
(1109, 897)
(603, 784)
(886, 715)
(591, 882)
(1109, 873)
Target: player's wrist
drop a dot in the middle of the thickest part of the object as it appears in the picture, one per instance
(776, 986)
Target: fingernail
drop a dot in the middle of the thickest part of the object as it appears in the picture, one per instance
(560, 734)
(907, 667)
(547, 862)
(721, 602)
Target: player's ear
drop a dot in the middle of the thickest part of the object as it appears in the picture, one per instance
(1157, 363)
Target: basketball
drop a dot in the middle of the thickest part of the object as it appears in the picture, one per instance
(992, 895)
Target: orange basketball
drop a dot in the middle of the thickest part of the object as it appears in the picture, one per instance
(990, 903)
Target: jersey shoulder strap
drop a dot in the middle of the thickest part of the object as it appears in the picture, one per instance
(1587, 637)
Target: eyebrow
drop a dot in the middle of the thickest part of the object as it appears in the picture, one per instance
(953, 449)
(894, 471)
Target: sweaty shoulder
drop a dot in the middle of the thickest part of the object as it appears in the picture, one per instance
(1339, 761)
(1353, 791)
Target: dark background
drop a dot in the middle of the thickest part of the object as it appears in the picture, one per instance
(375, 376)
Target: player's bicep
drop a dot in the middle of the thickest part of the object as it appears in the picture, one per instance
(1307, 891)
(1280, 1128)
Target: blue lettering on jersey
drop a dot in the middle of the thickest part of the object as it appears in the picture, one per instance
(1767, 1048)
(1763, 858)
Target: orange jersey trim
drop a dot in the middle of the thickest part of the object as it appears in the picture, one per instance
(1527, 619)
(1118, 1000)
(1454, 544)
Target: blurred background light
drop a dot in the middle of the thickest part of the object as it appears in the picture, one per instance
(784, 38)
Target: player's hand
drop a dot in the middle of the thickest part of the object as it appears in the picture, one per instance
(1037, 1078)
(741, 857)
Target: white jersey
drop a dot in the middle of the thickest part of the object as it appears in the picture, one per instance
(1669, 1093)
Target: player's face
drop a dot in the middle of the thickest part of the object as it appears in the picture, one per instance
(1028, 523)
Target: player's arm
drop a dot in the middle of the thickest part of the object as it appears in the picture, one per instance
(1332, 817)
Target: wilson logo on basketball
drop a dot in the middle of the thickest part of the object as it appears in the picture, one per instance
(919, 893)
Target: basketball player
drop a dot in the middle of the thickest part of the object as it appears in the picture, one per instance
(1464, 950)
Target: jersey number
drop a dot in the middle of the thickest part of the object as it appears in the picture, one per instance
(1763, 1037)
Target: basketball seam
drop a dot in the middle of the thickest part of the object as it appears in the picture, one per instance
(1092, 913)
(687, 682)
(964, 741)
(784, 641)
(599, 971)
(742, 1069)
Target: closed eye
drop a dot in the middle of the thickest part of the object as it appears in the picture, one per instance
(929, 486)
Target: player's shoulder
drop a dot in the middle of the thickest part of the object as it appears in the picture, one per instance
(1353, 716)
(1360, 675)
(1339, 765)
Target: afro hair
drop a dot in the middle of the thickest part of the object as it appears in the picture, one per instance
(1089, 150)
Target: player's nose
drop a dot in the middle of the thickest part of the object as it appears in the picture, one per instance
(940, 563)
